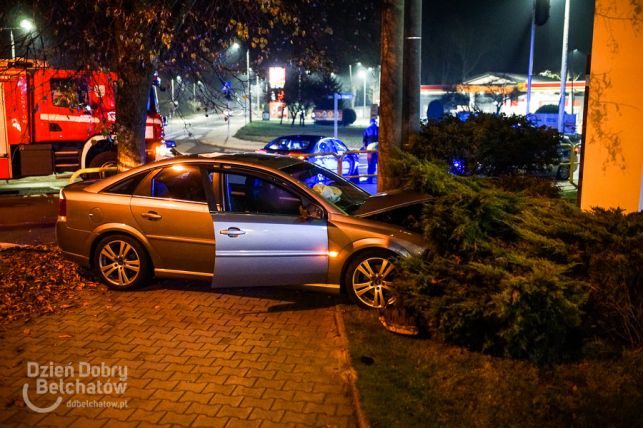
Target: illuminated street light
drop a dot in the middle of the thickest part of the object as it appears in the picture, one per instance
(26, 25)
(563, 70)
(350, 78)
(236, 46)
(572, 54)
(362, 75)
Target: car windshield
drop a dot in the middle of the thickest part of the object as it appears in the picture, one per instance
(338, 191)
(292, 144)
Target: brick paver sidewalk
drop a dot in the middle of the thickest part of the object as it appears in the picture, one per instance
(194, 356)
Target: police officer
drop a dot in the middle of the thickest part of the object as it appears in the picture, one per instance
(369, 142)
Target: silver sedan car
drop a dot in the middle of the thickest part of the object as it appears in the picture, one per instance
(240, 220)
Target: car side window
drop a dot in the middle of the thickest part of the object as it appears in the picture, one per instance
(341, 147)
(180, 182)
(127, 186)
(245, 193)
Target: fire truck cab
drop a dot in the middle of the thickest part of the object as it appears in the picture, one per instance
(54, 120)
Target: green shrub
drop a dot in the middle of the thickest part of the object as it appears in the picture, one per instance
(488, 144)
(615, 270)
(348, 116)
(519, 275)
(532, 186)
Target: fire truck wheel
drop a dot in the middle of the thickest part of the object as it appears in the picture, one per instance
(103, 159)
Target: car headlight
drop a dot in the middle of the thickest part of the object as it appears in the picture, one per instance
(164, 150)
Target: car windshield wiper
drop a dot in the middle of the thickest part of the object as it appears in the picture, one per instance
(353, 207)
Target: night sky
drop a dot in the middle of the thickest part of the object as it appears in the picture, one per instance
(491, 35)
(496, 33)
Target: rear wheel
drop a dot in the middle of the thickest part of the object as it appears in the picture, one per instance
(353, 170)
(563, 172)
(369, 279)
(121, 262)
(103, 159)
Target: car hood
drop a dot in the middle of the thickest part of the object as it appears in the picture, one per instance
(390, 200)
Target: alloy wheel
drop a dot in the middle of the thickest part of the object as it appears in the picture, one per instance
(371, 282)
(119, 263)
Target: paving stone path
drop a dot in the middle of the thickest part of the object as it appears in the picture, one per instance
(194, 357)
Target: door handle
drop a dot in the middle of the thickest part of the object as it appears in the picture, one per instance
(232, 232)
(152, 215)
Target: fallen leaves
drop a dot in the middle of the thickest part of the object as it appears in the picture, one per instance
(38, 280)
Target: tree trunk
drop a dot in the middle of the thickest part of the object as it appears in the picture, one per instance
(132, 92)
(131, 115)
(390, 134)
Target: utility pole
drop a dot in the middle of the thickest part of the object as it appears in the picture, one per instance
(563, 71)
(364, 104)
(412, 68)
(390, 134)
(350, 77)
(531, 56)
(249, 85)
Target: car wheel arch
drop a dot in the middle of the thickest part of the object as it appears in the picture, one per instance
(99, 236)
(125, 267)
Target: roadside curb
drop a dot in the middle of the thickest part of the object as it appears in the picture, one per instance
(27, 224)
(351, 376)
(10, 246)
(28, 211)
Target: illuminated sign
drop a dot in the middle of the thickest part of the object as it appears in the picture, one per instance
(278, 110)
(277, 77)
(327, 115)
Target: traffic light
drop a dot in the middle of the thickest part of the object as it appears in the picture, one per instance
(541, 11)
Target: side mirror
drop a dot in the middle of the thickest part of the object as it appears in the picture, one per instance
(312, 211)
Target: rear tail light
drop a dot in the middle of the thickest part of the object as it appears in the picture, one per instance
(261, 151)
(62, 204)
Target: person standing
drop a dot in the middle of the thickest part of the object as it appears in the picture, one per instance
(370, 140)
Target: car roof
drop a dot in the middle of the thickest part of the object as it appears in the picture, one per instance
(267, 160)
(300, 137)
(262, 160)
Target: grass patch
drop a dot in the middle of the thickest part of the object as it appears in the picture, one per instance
(268, 130)
(408, 382)
(570, 195)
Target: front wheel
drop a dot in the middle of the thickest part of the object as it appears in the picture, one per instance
(121, 262)
(369, 279)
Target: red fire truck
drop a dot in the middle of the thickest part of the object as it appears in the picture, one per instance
(54, 120)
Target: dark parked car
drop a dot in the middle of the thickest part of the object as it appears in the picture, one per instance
(569, 153)
(240, 220)
(306, 146)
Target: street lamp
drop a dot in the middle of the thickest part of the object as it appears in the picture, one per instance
(563, 70)
(25, 25)
(236, 46)
(248, 84)
(362, 75)
(573, 54)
